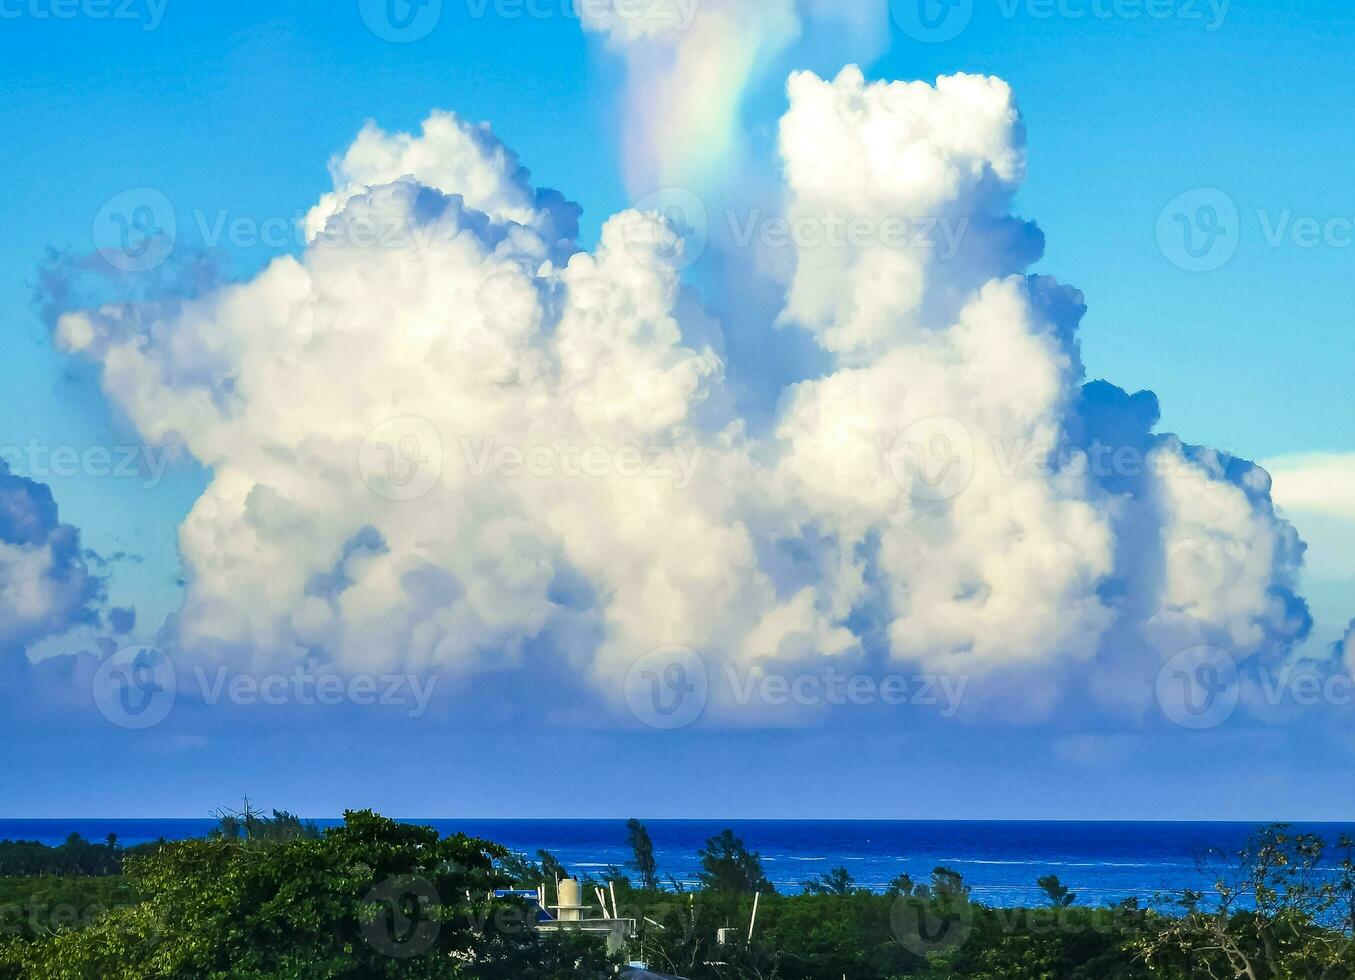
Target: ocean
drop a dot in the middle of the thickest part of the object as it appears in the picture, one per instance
(1101, 861)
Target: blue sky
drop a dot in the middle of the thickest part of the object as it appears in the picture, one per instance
(237, 109)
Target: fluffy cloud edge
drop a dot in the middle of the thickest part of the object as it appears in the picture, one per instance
(487, 322)
(1315, 483)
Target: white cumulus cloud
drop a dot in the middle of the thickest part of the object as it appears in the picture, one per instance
(433, 447)
(46, 583)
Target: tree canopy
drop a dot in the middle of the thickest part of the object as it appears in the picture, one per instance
(372, 898)
(727, 866)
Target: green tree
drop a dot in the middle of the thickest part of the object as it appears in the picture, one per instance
(520, 871)
(37, 906)
(948, 884)
(372, 898)
(839, 881)
(75, 856)
(902, 885)
(642, 850)
(1282, 907)
(552, 869)
(1064, 943)
(1055, 891)
(251, 824)
(730, 868)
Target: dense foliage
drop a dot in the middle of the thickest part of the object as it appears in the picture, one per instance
(373, 898)
(40, 905)
(928, 931)
(643, 862)
(76, 856)
(274, 897)
(1283, 908)
(729, 868)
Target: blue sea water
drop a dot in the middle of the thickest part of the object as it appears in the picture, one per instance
(1101, 861)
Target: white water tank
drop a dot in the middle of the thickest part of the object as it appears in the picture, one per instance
(570, 898)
